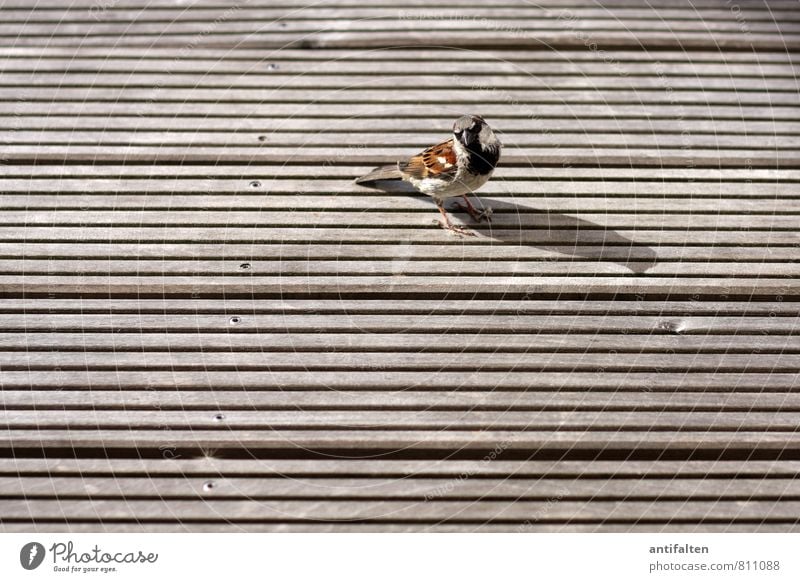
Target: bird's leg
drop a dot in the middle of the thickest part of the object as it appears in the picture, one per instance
(446, 224)
(477, 215)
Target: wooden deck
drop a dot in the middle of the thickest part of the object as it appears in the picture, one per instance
(206, 326)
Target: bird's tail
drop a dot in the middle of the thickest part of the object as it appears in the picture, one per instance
(381, 173)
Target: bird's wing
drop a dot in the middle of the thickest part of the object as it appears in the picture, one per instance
(438, 161)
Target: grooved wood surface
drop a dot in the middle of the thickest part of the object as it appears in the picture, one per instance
(206, 325)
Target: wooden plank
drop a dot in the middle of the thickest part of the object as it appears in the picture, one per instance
(672, 180)
(341, 306)
(527, 25)
(400, 511)
(126, 267)
(740, 343)
(505, 216)
(468, 40)
(262, 188)
(192, 12)
(526, 28)
(527, 65)
(326, 490)
(412, 274)
(210, 466)
(366, 141)
(508, 217)
(404, 400)
(238, 54)
(400, 252)
(466, 96)
(507, 11)
(367, 441)
(401, 380)
(401, 323)
(468, 14)
(711, 157)
(74, 422)
(435, 362)
(584, 232)
(267, 202)
(77, 5)
(374, 285)
(511, 216)
(75, 526)
(636, 109)
(238, 28)
(510, 127)
(121, 267)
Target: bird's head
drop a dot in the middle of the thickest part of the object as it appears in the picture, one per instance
(473, 129)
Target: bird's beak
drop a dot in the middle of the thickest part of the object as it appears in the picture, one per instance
(467, 137)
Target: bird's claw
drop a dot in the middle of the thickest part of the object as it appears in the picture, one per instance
(457, 229)
(477, 215)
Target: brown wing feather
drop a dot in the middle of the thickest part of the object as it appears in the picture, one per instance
(437, 161)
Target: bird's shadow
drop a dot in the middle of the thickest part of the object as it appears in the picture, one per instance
(524, 224)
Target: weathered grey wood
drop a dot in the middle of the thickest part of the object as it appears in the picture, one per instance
(435, 362)
(428, 231)
(464, 96)
(78, 5)
(436, 421)
(614, 110)
(507, 64)
(521, 142)
(554, 28)
(43, 526)
(262, 190)
(526, 306)
(131, 170)
(63, 208)
(238, 54)
(209, 466)
(504, 11)
(397, 284)
(402, 251)
(761, 158)
(403, 81)
(526, 27)
(405, 250)
(469, 15)
(508, 126)
(318, 181)
(672, 180)
(348, 19)
(364, 441)
(368, 323)
(473, 343)
(403, 400)
(470, 40)
(516, 216)
(122, 267)
(399, 511)
(327, 489)
(402, 380)
(263, 360)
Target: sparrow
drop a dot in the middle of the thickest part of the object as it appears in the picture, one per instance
(456, 167)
